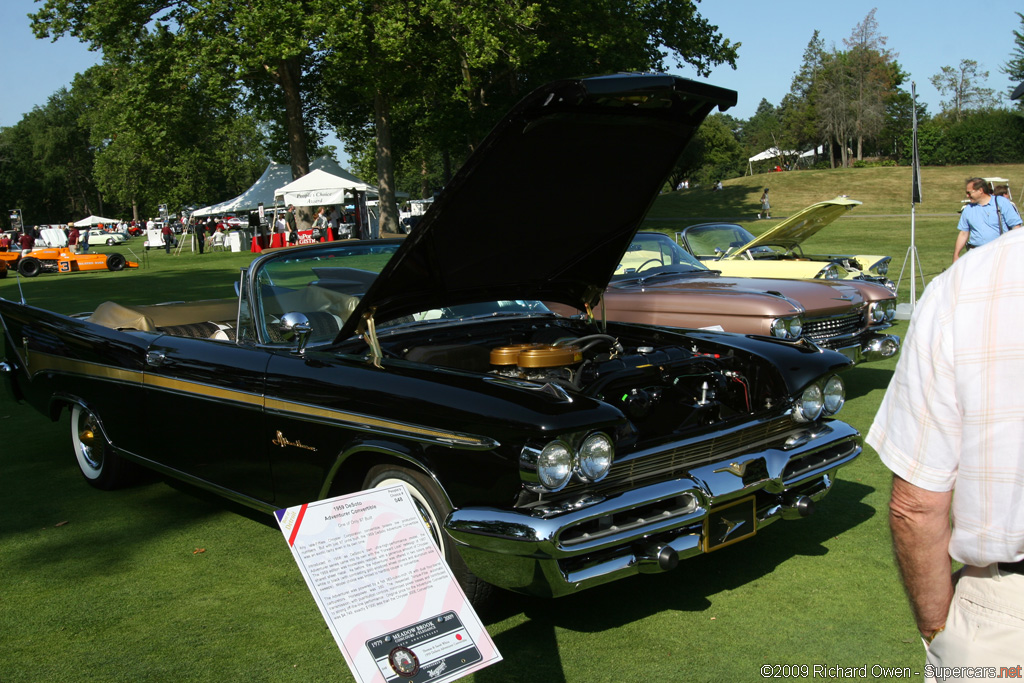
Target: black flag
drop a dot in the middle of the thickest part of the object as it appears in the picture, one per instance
(915, 193)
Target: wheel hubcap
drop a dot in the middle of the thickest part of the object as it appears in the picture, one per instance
(91, 454)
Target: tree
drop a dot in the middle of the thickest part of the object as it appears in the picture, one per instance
(835, 111)
(871, 79)
(963, 85)
(1014, 68)
(447, 71)
(46, 162)
(798, 110)
(713, 154)
(222, 42)
(764, 131)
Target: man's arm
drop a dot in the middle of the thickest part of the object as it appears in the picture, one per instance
(919, 520)
(961, 242)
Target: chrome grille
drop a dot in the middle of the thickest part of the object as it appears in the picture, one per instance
(675, 461)
(824, 331)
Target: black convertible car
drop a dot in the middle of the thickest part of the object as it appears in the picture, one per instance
(547, 454)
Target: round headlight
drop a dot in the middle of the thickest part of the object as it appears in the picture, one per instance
(780, 328)
(878, 312)
(808, 407)
(835, 395)
(890, 310)
(796, 327)
(596, 456)
(554, 465)
(882, 268)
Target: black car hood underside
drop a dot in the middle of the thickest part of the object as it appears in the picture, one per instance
(546, 206)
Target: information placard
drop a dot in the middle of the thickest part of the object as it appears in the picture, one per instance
(392, 604)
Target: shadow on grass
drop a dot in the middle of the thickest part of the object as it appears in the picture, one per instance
(54, 519)
(688, 588)
(863, 380)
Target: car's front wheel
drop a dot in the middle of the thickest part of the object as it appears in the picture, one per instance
(110, 241)
(433, 508)
(99, 464)
(29, 267)
(115, 262)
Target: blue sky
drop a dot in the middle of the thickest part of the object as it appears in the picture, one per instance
(774, 34)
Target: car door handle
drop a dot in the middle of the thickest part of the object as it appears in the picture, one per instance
(156, 358)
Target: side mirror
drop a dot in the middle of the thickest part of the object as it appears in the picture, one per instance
(297, 324)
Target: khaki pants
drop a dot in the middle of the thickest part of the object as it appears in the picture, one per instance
(984, 629)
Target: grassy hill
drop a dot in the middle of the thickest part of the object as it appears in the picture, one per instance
(881, 225)
(883, 191)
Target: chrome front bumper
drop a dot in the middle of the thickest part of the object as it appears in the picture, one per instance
(879, 347)
(594, 540)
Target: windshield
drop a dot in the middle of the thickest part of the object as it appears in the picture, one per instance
(650, 251)
(712, 240)
(323, 283)
(326, 283)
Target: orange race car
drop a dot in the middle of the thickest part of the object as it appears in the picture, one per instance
(60, 260)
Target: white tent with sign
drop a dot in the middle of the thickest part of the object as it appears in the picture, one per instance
(320, 188)
(95, 220)
(263, 190)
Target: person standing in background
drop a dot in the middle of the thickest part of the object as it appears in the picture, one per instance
(766, 207)
(292, 228)
(984, 218)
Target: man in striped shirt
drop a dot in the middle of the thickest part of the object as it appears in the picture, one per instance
(953, 420)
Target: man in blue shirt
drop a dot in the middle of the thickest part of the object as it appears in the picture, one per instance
(985, 218)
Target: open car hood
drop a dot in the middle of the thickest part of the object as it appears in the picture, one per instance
(548, 203)
(802, 225)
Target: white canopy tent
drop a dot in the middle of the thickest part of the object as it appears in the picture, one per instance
(320, 188)
(95, 220)
(774, 153)
(770, 153)
(264, 189)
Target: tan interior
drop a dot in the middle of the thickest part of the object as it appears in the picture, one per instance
(149, 318)
(327, 310)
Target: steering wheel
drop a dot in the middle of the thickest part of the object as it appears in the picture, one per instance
(653, 260)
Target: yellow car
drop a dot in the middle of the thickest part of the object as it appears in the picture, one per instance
(731, 249)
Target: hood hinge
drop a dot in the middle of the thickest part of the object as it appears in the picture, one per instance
(369, 331)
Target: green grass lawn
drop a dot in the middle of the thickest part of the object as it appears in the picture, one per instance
(154, 584)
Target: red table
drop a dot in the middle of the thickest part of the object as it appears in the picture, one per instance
(277, 240)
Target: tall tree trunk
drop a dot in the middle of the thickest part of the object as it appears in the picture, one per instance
(385, 163)
(446, 164)
(424, 179)
(289, 77)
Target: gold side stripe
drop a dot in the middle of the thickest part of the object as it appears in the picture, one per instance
(205, 390)
(44, 362)
(366, 420)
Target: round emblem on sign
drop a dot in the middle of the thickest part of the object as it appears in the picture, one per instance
(404, 662)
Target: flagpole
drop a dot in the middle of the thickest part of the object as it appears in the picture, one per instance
(904, 311)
